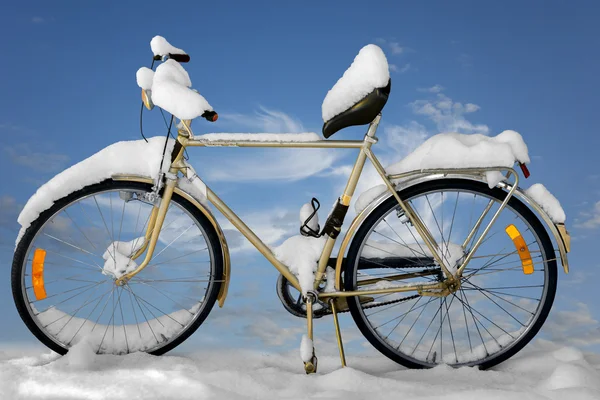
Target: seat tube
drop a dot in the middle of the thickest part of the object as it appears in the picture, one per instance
(344, 200)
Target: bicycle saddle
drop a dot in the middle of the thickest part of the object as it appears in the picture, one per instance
(361, 113)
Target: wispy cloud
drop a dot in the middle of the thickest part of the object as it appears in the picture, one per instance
(393, 46)
(589, 219)
(9, 210)
(22, 154)
(400, 70)
(37, 20)
(466, 60)
(575, 327)
(271, 164)
(448, 115)
(264, 120)
(434, 89)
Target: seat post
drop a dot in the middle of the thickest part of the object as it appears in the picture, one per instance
(373, 126)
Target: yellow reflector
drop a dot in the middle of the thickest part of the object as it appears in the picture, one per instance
(522, 249)
(37, 274)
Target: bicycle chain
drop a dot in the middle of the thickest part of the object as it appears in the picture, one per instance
(366, 307)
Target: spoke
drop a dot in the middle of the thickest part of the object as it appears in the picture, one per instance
(103, 308)
(414, 322)
(72, 245)
(91, 312)
(94, 267)
(65, 314)
(427, 329)
(471, 309)
(466, 306)
(403, 241)
(450, 326)
(134, 313)
(156, 308)
(402, 319)
(397, 242)
(466, 324)
(123, 320)
(162, 293)
(175, 294)
(130, 290)
(111, 320)
(177, 258)
(173, 241)
(107, 231)
(399, 316)
(79, 229)
(70, 290)
(483, 292)
(451, 222)
(396, 269)
(489, 320)
(507, 294)
(437, 224)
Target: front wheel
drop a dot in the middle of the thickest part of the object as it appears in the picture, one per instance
(502, 301)
(65, 267)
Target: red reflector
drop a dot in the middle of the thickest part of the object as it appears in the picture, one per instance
(215, 117)
(525, 170)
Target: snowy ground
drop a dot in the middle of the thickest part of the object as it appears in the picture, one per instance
(543, 371)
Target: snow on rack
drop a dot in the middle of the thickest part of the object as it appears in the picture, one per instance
(368, 71)
(128, 157)
(456, 150)
(260, 137)
(161, 47)
(548, 202)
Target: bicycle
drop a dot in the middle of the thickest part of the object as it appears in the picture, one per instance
(421, 268)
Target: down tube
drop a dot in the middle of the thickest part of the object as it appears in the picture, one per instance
(251, 236)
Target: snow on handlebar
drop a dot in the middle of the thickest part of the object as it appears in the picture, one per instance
(170, 86)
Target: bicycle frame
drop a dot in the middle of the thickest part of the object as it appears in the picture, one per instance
(186, 139)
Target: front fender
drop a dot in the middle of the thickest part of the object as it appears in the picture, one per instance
(204, 210)
(559, 232)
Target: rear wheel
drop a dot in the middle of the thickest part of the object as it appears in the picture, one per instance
(63, 274)
(498, 308)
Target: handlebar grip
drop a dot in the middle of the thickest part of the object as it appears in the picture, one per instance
(210, 116)
(182, 58)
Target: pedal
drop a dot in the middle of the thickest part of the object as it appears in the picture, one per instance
(310, 367)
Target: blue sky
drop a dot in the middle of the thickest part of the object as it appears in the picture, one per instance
(68, 89)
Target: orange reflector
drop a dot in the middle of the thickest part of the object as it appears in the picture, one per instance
(37, 274)
(522, 249)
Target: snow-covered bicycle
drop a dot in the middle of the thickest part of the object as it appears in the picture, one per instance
(447, 261)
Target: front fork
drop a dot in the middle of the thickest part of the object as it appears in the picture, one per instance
(155, 223)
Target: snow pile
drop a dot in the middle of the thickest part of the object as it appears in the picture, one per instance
(171, 92)
(306, 348)
(366, 197)
(160, 47)
(260, 137)
(144, 77)
(117, 261)
(170, 84)
(301, 254)
(548, 202)
(456, 150)
(128, 157)
(245, 374)
(368, 72)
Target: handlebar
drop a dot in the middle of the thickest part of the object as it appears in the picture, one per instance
(182, 58)
(210, 116)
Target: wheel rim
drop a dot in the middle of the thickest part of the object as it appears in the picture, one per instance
(411, 329)
(153, 310)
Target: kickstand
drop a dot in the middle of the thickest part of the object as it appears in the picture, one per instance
(338, 334)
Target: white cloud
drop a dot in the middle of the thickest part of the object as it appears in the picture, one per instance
(589, 219)
(575, 327)
(271, 333)
(401, 70)
(434, 89)
(396, 48)
(449, 116)
(37, 20)
(403, 139)
(44, 161)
